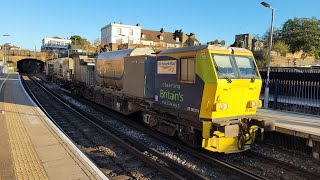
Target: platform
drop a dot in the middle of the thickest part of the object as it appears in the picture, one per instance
(296, 124)
(31, 146)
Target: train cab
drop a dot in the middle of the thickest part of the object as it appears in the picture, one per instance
(220, 88)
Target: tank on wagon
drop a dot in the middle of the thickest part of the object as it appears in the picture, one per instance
(123, 78)
(110, 66)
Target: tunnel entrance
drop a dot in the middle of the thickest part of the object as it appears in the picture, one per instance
(30, 66)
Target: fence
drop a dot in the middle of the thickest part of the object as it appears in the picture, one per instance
(294, 90)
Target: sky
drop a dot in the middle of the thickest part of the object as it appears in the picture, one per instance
(29, 21)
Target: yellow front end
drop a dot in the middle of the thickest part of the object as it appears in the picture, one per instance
(227, 105)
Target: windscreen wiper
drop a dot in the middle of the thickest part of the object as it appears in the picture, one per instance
(224, 74)
(252, 78)
(227, 78)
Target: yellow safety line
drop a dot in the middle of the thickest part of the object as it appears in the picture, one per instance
(26, 162)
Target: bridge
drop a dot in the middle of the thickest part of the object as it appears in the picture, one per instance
(22, 60)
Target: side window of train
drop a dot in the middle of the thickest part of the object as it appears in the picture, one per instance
(187, 70)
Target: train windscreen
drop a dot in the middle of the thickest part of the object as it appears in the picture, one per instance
(235, 67)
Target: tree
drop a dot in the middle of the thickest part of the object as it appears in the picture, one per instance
(79, 43)
(262, 58)
(281, 48)
(302, 34)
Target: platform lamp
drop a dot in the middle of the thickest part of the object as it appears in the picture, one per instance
(266, 91)
(3, 49)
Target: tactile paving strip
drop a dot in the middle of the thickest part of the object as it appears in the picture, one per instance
(26, 162)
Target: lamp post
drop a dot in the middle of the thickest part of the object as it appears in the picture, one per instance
(266, 91)
(4, 51)
(75, 43)
(245, 42)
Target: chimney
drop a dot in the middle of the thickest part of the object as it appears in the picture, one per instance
(162, 30)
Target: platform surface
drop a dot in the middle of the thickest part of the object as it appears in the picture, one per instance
(309, 124)
(31, 147)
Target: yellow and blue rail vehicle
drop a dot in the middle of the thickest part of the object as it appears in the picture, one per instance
(211, 94)
(205, 95)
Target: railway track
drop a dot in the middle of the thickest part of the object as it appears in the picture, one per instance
(234, 171)
(116, 154)
(285, 165)
(217, 159)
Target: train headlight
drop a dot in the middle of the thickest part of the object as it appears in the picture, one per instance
(221, 106)
(254, 104)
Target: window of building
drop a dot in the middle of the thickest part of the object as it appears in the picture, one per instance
(177, 39)
(130, 32)
(119, 31)
(161, 38)
(187, 70)
(143, 36)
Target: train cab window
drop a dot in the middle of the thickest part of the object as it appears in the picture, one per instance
(187, 70)
(235, 67)
(225, 66)
(246, 67)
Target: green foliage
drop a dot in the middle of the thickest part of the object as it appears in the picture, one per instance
(79, 43)
(262, 59)
(300, 34)
(281, 48)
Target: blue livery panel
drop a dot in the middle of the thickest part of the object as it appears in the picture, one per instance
(170, 92)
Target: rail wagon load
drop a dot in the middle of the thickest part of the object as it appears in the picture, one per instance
(57, 67)
(83, 70)
(124, 78)
(110, 66)
(138, 76)
(66, 68)
(49, 69)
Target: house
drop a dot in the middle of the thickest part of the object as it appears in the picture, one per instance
(159, 39)
(243, 41)
(9, 47)
(119, 36)
(55, 45)
(113, 35)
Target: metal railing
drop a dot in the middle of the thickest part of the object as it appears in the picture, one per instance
(294, 90)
